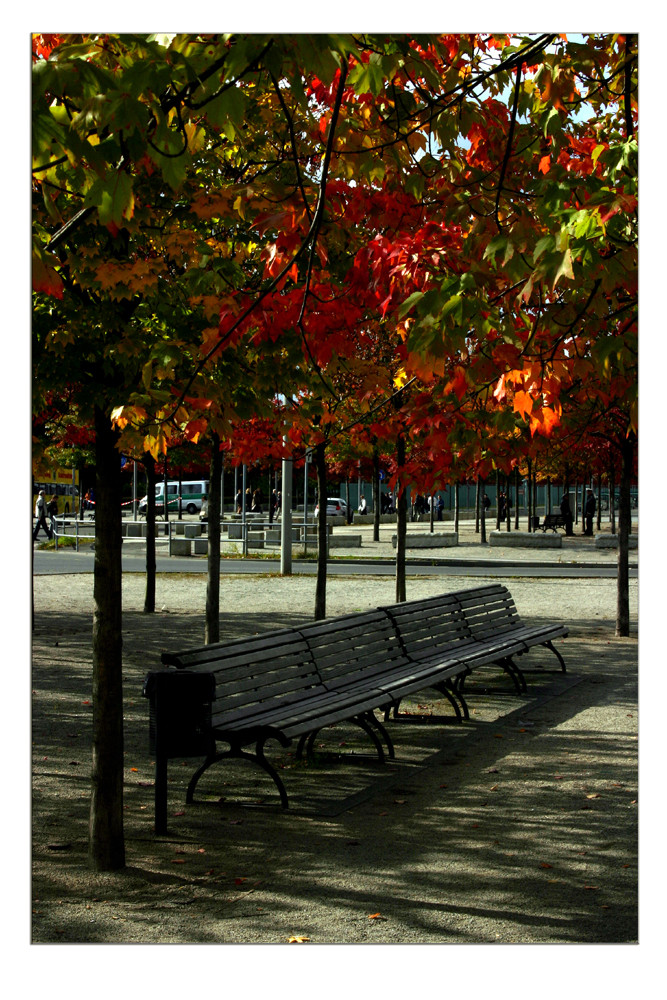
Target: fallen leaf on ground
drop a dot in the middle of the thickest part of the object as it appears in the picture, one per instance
(298, 939)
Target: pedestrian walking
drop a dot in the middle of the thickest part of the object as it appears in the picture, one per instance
(40, 514)
(440, 507)
(239, 502)
(363, 509)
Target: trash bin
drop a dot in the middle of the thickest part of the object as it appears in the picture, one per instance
(179, 724)
(180, 712)
(535, 522)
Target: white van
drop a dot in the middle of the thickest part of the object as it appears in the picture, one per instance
(193, 492)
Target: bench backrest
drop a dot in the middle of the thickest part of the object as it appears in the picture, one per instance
(489, 611)
(275, 668)
(353, 648)
(430, 628)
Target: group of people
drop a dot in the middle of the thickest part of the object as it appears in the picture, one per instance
(253, 501)
(422, 505)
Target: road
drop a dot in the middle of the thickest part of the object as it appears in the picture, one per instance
(68, 561)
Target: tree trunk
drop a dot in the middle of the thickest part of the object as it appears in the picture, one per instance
(529, 487)
(516, 497)
(401, 522)
(624, 516)
(212, 630)
(477, 506)
(376, 495)
(106, 846)
(480, 489)
(457, 507)
(498, 492)
(322, 535)
(612, 504)
(348, 513)
(149, 599)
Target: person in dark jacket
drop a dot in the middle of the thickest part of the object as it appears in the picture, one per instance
(589, 512)
(567, 513)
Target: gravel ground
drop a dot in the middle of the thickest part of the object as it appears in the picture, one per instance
(519, 826)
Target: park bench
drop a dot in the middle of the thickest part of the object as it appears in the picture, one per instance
(290, 683)
(553, 521)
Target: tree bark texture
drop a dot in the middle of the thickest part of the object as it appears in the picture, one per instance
(401, 522)
(624, 518)
(322, 535)
(376, 494)
(149, 599)
(212, 629)
(106, 847)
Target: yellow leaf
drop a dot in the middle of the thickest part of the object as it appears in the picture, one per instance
(298, 939)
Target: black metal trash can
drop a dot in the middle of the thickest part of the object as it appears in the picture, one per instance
(179, 724)
(536, 523)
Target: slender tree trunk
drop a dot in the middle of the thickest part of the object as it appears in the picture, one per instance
(322, 535)
(477, 506)
(612, 504)
(401, 522)
(529, 498)
(165, 497)
(348, 514)
(624, 517)
(149, 599)
(376, 494)
(480, 487)
(599, 510)
(212, 629)
(457, 506)
(106, 847)
(516, 509)
(498, 492)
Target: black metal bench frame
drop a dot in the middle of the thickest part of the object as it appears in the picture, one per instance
(553, 521)
(289, 684)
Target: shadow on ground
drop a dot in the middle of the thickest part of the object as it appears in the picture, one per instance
(518, 825)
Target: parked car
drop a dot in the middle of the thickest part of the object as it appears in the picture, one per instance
(336, 507)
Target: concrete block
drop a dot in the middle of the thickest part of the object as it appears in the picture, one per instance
(192, 530)
(200, 546)
(180, 547)
(611, 541)
(345, 541)
(136, 530)
(526, 539)
(439, 540)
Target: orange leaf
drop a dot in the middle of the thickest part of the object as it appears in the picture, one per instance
(545, 164)
(523, 403)
(298, 939)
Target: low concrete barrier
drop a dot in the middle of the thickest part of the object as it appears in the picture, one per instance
(439, 540)
(192, 530)
(344, 541)
(180, 547)
(526, 539)
(611, 541)
(200, 546)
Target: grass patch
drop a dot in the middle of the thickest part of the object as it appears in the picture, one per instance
(66, 543)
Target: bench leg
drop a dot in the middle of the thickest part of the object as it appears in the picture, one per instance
(368, 722)
(449, 690)
(238, 753)
(510, 668)
(540, 669)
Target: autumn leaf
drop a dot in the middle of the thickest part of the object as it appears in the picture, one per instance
(298, 939)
